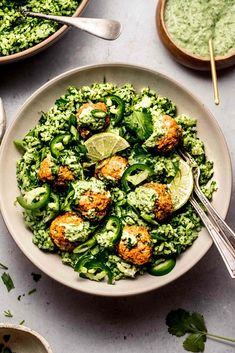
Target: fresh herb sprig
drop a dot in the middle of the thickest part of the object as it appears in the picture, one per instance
(181, 322)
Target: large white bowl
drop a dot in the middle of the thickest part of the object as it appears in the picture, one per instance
(42, 100)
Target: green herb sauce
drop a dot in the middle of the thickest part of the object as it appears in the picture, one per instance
(191, 23)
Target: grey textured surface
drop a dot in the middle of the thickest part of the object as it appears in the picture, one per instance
(76, 322)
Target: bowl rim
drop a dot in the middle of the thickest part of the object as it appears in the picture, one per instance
(194, 261)
(26, 329)
(204, 59)
(46, 42)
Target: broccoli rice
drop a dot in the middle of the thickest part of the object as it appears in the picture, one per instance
(18, 32)
(102, 218)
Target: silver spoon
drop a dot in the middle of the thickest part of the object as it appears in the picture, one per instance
(99, 27)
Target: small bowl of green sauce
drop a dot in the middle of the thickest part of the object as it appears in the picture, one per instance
(185, 28)
(20, 339)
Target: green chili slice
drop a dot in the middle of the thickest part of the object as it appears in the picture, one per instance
(98, 113)
(58, 144)
(135, 175)
(85, 246)
(36, 198)
(161, 267)
(114, 225)
(89, 262)
(117, 107)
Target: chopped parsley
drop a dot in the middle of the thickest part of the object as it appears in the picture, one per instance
(6, 278)
(3, 267)
(32, 291)
(7, 313)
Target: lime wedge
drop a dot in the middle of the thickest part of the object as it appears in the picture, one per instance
(182, 185)
(104, 145)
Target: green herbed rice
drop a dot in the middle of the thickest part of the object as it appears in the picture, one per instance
(170, 237)
(18, 32)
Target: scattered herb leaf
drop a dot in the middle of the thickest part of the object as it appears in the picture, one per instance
(36, 276)
(8, 313)
(3, 267)
(195, 342)
(6, 278)
(6, 338)
(180, 322)
(22, 322)
(32, 291)
(139, 123)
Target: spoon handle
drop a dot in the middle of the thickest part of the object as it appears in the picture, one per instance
(100, 27)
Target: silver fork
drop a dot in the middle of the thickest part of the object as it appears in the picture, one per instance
(226, 252)
(217, 233)
(226, 231)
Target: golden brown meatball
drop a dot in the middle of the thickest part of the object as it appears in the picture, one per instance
(135, 245)
(64, 175)
(45, 173)
(94, 205)
(86, 131)
(164, 204)
(172, 135)
(111, 168)
(57, 230)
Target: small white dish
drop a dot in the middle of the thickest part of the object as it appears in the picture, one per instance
(22, 339)
(208, 130)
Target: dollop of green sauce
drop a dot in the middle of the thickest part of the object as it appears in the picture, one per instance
(191, 23)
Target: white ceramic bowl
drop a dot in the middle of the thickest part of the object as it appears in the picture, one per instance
(23, 339)
(42, 100)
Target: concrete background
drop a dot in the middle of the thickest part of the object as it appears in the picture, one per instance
(75, 322)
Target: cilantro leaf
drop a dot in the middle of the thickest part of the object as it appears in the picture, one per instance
(198, 321)
(195, 342)
(140, 123)
(6, 278)
(178, 322)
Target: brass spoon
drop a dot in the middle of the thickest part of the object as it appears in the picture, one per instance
(213, 73)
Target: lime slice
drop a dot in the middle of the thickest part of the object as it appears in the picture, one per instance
(104, 145)
(182, 185)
